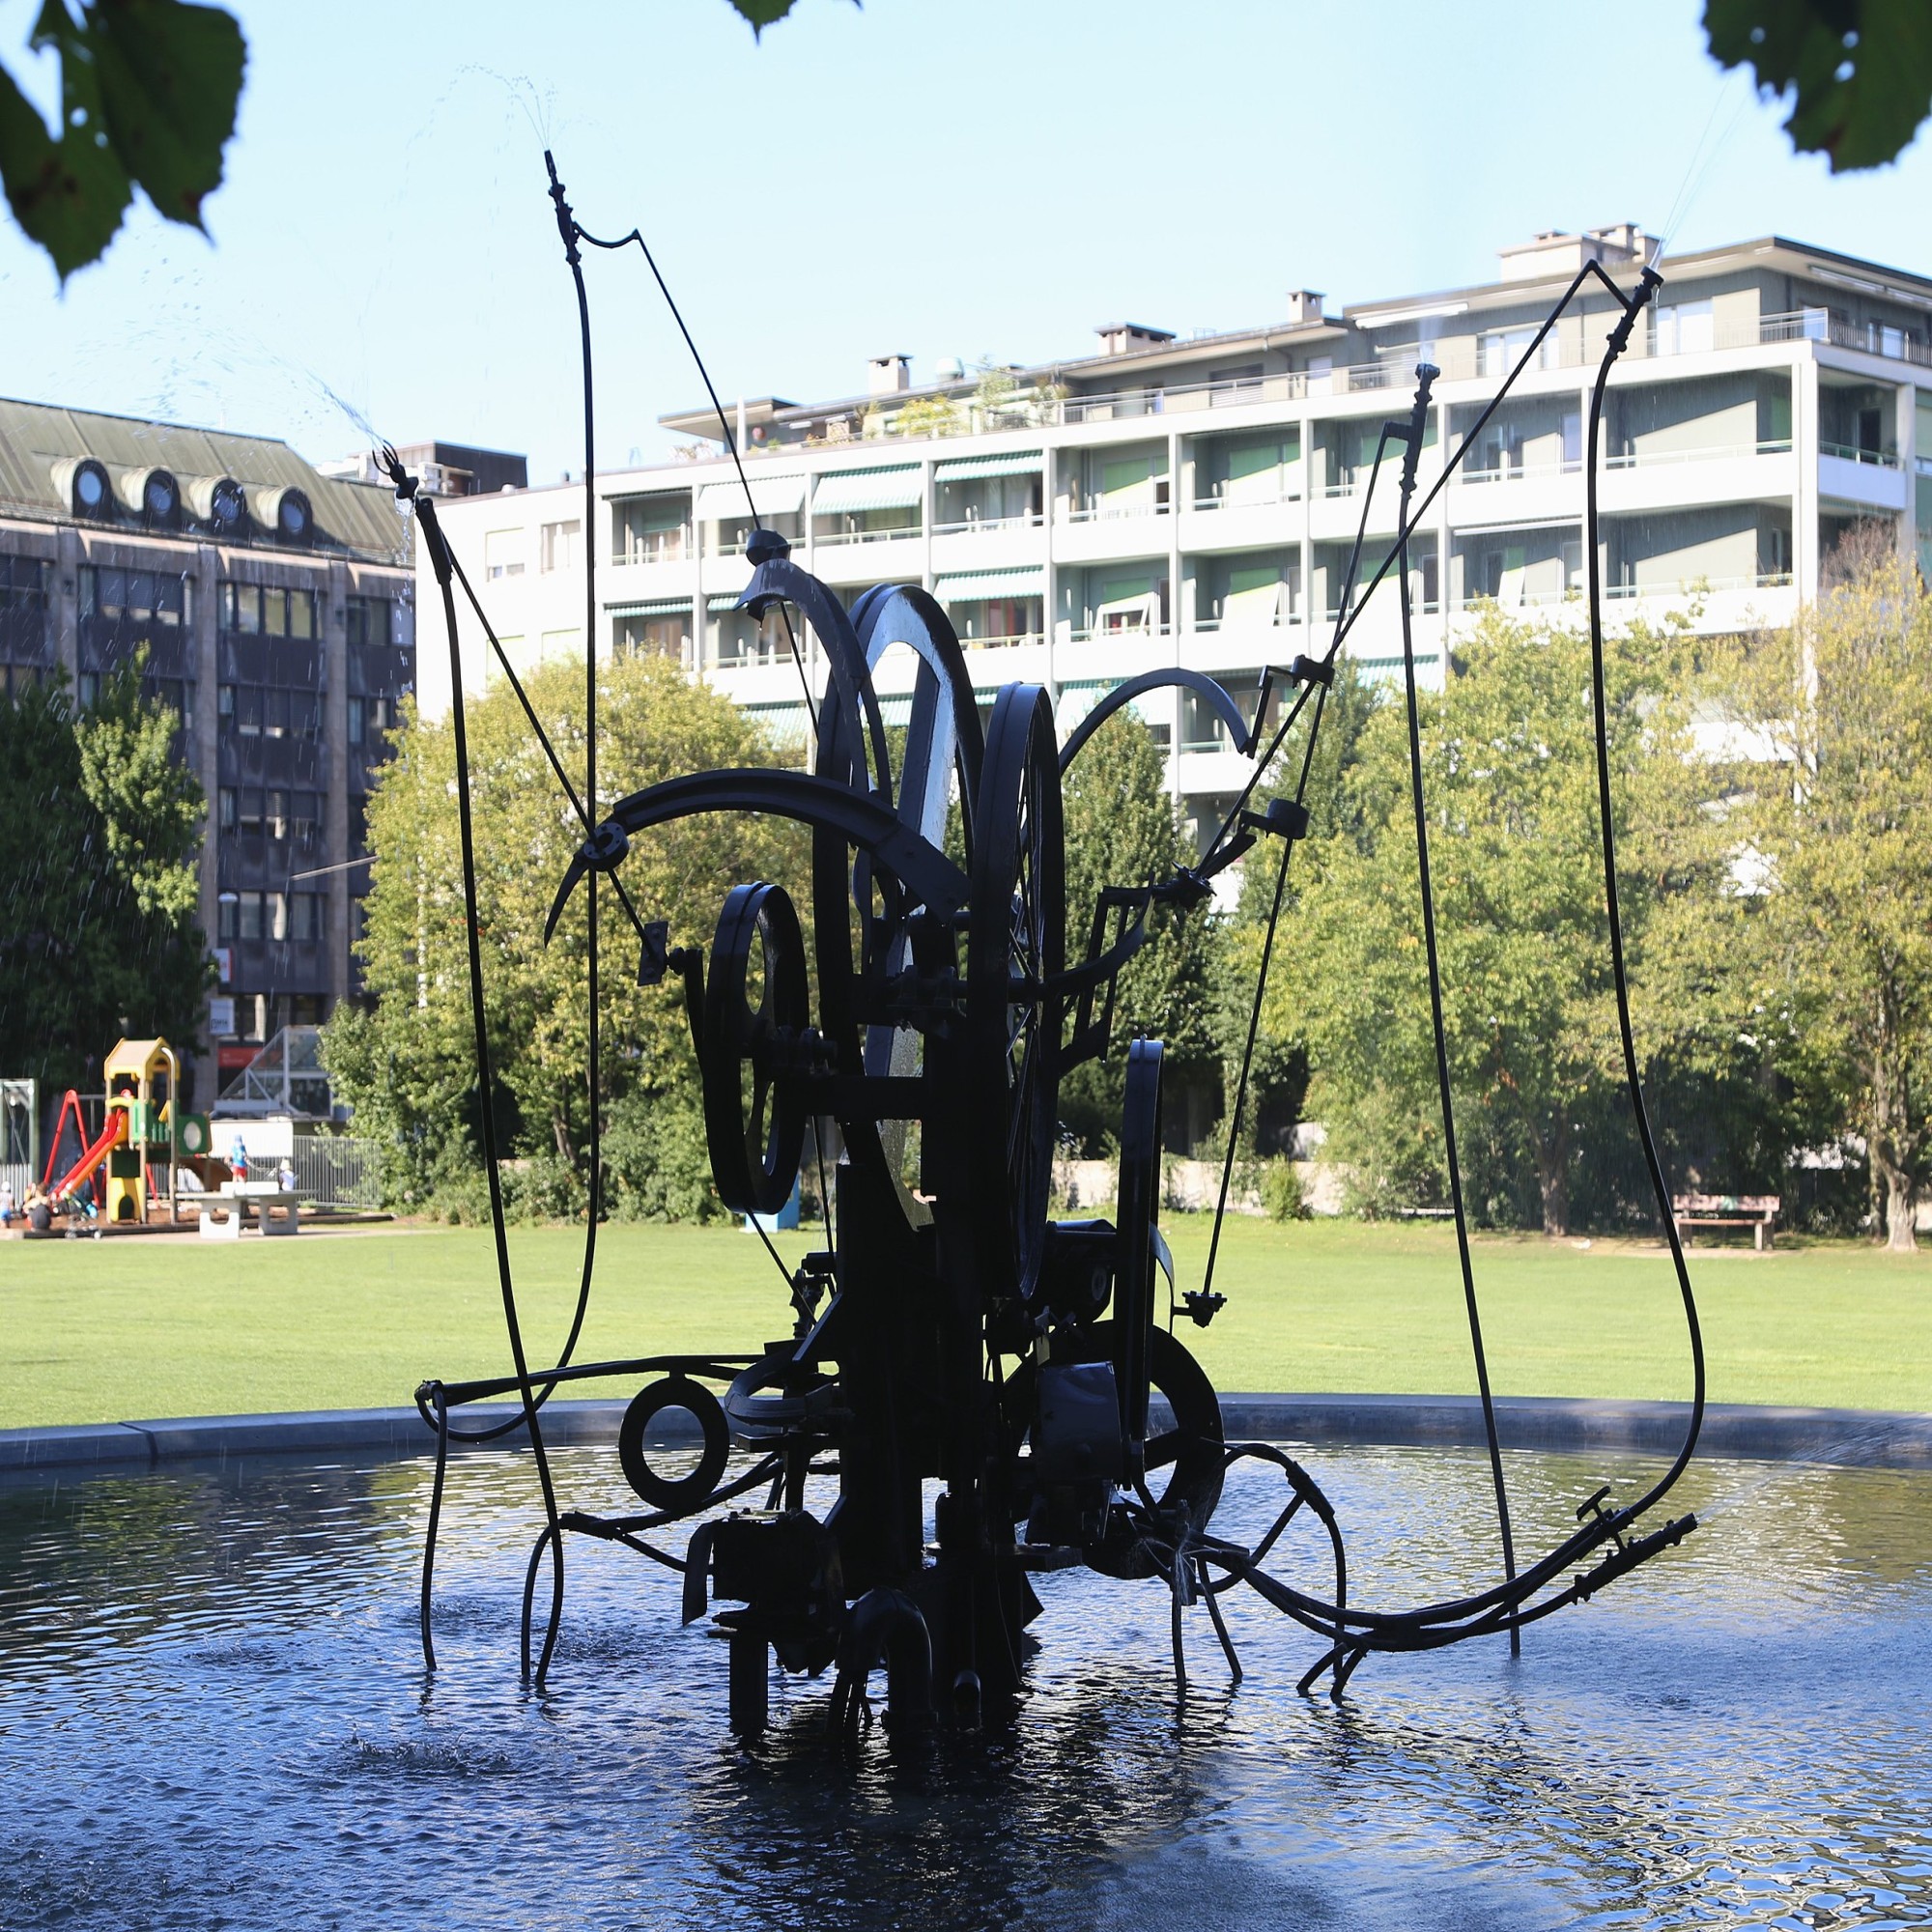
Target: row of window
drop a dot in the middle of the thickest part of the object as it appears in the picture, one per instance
(270, 711)
(292, 916)
(370, 716)
(135, 596)
(559, 547)
(255, 611)
(272, 811)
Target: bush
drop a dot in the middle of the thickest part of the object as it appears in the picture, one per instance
(1281, 1191)
(656, 1164)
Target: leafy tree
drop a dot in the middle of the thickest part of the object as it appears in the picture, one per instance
(405, 1062)
(149, 90)
(1858, 73)
(1121, 830)
(98, 879)
(1843, 702)
(1508, 769)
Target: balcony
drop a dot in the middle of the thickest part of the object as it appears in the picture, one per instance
(988, 526)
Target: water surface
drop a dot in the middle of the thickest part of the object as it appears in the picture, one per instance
(215, 1714)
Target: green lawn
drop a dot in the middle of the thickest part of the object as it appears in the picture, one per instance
(97, 1332)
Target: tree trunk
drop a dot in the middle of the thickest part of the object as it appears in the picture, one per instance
(1901, 1210)
(1552, 1176)
(559, 1127)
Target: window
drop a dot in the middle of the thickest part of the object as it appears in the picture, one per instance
(561, 644)
(87, 690)
(635, 635)
(650, 530)
(252, 609)
(368, 620)
(225, 808)
(249, 819)
(562, 546)
(1499, 349)
(275, 813)
(306, 917)
(504, 553)
(1681, 329)
(308, 810)
(133, 596)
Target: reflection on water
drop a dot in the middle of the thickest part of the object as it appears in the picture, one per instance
(214, 1714)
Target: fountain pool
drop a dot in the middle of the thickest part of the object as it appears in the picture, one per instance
(215, 1714)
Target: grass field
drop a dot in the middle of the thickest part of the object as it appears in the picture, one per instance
(132, 1328)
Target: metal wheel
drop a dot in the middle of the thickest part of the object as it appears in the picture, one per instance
(1017, 942)
(755, 1014)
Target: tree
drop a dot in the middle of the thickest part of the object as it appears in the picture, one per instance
(98, 877)
(1843, 831)
(405, 1062)
(1121, 830)
(149, 91)
(1507, 752)
(1858, 73)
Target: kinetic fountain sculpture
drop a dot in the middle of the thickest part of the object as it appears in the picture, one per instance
(953, 1331)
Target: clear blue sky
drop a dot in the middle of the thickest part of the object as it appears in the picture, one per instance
(981, 177)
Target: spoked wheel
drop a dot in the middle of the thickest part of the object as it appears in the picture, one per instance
(1017, 942)
(756, 1014)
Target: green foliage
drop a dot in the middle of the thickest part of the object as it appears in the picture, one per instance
(1858, 72)
(1121, 830)
(1841, 828)
(1508, 769)
(404, 1065)
(149, 90)
(929, 416)
(1281, 1192)
(98, 877)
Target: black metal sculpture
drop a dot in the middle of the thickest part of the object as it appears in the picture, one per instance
(951, 1330)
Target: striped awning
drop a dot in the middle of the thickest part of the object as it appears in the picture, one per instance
(848, 490)
(723, 599)
(964, 469)
(651, 607)
(774, 497)
(1025, 580)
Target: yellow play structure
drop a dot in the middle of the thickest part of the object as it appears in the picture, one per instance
(141, 1126)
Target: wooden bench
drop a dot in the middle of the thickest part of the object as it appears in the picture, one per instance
(1756, 1211)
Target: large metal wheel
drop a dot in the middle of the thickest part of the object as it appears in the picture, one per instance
(756, 1009)
(1016, 943)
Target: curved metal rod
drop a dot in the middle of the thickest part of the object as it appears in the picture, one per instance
(855, 722)
(1198, 681)
(825, 805)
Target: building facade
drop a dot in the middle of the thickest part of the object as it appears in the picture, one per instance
(1194, 501)
(274, 607)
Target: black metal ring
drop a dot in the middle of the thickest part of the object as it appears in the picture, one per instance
(680, 1493)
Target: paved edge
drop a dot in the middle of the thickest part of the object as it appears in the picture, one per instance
(1872, 1438)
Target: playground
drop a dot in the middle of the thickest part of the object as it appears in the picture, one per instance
(130, 1329)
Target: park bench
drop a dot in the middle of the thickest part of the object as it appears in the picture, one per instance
(1756, 1211)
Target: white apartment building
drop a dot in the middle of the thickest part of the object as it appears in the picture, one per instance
(1194, 501)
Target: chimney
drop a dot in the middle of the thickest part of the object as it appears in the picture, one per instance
(1304, 307)
(1125, 338)
(889, 375)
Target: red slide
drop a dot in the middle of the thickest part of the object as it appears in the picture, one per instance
(82, 1170)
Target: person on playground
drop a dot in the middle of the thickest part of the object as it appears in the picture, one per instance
(6, 1207)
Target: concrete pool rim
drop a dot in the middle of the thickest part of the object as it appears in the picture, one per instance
(1850, 1438)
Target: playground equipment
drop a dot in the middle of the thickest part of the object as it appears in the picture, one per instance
(142, 1126)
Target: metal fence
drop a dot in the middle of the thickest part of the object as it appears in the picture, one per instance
(330, 1169)
(18, 1175)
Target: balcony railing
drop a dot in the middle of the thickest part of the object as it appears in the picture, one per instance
(826, 539)
(1003, 643)
(1099, 634)
(1695, 587)
(1209, 627)
(658, 547)
(975, 526)
(1714, 452)
(1100, 512)
(1880, 458)
(1274, 503)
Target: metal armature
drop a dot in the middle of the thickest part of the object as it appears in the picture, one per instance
(951, 1332)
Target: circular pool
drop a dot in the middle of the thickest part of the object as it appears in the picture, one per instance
(215, 1714)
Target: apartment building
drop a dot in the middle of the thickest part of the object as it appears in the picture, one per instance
(274, 605)
(1193, 502)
